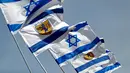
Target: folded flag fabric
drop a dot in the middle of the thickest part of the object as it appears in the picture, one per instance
(80, 39)
(41, 25)
(82, 65)
(46, 28)
(14, 13)
(109, 67)
(40, 35)
(41, 7)
(86, 61)
(98, 50)
(56, 10)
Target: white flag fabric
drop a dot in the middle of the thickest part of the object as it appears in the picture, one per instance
(46, 28)
(109, 67)
(57, 10)
(42, 27)
(99, 50)
(80, 39)
(82, 65)
(41, 7)
(40, 35)
(86, 61)
(14, 13)
(17, 11)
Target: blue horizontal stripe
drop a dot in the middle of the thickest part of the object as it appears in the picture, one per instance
(49, 39)
(39, 5)
(14, 27)
(92, 62)
(109, 68)
(46, 13)
(77, 51)
(7, 1)
(80, 25)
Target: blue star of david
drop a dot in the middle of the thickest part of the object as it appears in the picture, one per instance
(72, 40)
(27, 7)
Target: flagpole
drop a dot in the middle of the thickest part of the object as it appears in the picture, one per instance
(43, 68)
(21, 53)
(55, 61)
(40, 64)
(25, 59)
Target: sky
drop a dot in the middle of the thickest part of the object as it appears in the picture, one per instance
(109, 19)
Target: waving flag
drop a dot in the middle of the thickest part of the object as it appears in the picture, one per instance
(14, 13)
(46, 28)
(83, 65)
(109, 67)
(58, 10)
(40, 35)
(54, 11)
(86, 61)
(40, 8)
(41, 25)
(80, 39)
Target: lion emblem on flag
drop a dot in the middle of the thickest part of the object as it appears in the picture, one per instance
(44, 28)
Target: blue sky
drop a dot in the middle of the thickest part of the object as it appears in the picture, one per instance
(109, 19)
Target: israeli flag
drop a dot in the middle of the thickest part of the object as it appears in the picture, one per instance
(55, 11)
(40, 8)
(80, 39)
(40, 35)
(14, 12)
(82, 64)
(109, 67)
(88, 60)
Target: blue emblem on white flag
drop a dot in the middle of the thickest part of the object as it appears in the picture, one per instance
(72, 40)
(30, 6)
(78, 40)
(14, 13)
